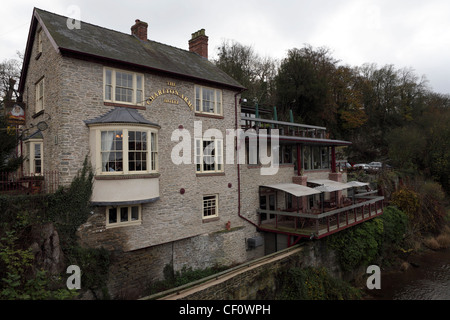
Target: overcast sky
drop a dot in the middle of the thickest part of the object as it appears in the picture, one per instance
(406, 33)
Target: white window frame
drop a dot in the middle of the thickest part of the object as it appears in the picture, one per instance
(200, 155)
(31, 152)
(217, 102)
(120, 223)
(152, 161)
(206, 205)
(113, 86)
(40, 95)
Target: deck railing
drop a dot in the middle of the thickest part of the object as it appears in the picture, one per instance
(28, 183)
(323, 223)
(285, 128)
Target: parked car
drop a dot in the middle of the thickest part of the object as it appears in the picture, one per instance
(375, 165)
(343, 165)
(362, 166)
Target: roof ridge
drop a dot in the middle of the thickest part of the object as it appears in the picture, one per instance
(89, 23)
(116, 31)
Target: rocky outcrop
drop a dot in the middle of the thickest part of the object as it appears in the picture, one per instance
(46, 248)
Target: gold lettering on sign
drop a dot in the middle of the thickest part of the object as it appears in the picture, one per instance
(170, 91)
(171, 84)
(171, 101)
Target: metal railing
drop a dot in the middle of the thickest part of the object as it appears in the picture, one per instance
(28, 183)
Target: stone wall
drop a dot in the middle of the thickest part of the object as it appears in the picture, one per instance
(260, 282)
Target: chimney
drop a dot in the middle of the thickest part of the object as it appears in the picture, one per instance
(199, 43)
(140, 30)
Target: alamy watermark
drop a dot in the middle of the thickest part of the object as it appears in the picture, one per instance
(263, 147)
(374, 280)
(74, 17)
(73, 281)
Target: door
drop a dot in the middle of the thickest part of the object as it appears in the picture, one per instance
(267, 202)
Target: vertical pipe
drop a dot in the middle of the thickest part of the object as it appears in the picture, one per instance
(333, 159)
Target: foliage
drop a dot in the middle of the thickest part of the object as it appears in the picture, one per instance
(314, 284)
(395, 225)
(9, 161)
(424, 203)
(255, 73)
(407, 200)
(70, 207)
(17, 284)
(363, 244)
(176, 279)
(94, 266)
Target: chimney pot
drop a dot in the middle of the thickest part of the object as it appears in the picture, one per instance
(140, 29)
(199, 43)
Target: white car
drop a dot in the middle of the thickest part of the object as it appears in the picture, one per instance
(375, 165)
(361, 166)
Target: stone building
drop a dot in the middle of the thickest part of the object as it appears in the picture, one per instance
(158, 124)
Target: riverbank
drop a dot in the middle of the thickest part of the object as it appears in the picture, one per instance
(423, 274)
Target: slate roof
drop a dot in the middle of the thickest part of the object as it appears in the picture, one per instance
(121, 115)
(109, 45)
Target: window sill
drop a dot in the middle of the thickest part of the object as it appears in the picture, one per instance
(123, 224)
(127, 176)
(212, 219)
(209, 115)
(210, 174)
(123, 105)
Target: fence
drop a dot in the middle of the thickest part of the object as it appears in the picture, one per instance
(28, 183)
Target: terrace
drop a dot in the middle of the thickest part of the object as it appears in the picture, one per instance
(306, 217)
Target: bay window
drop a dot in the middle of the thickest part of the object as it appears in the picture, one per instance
(127, 150)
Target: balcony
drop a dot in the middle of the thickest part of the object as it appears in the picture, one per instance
(309, 219)
(291, 132)
(19, 183)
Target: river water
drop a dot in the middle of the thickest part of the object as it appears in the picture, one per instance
(428, 279)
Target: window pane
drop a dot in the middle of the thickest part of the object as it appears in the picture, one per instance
(124, 214)
(218, 102)
(316, 157)
(134, 213)
(108, 77)
(208, 156)
(154, 151)
(137, 155)
(124, 87)
(208, 100)
(111, 150)
(112, 215)
(197, 99)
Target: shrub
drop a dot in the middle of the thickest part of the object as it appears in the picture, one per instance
(314, 284)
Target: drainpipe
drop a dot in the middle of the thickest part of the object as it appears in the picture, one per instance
(238, 165)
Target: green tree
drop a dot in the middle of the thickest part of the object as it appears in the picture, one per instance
(254, 72)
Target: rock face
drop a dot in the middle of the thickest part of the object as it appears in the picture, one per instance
(46, 248)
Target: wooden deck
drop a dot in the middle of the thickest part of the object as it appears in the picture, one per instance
(324, 224)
